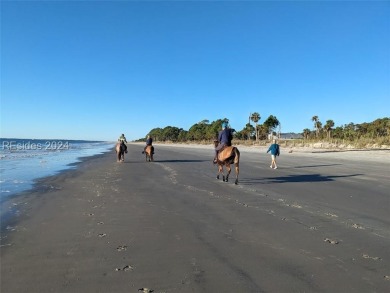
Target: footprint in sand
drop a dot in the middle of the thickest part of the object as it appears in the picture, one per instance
(101, 235)
(121, 248)
(331, 215)
(125, 268)
(387, 278)
(357, 226)
(100, 223)
(297, 206)
(145, 290)
(331, 241)
(371, 257)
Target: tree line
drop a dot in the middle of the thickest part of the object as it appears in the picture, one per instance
(379, 128)
(208, 131)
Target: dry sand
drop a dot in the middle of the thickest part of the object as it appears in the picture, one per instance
(375, 155)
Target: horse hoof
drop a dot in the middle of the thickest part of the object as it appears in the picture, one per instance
(236, 182)
(217, 176)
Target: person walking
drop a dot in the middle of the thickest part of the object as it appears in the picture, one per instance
(275, 151)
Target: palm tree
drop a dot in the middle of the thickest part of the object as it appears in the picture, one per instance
(328, 127)
(255, 117)
(315, 120)
(248, 130)
(271, 123)
(306, 133)
(318, 127)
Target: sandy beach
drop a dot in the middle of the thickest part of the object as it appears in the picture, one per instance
(153, 227)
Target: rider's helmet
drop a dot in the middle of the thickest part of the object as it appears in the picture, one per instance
(224, 125)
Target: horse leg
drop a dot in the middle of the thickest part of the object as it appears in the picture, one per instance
(237, 164)
(237, 172)
(219, 171)
(223, 174)
(228, 169)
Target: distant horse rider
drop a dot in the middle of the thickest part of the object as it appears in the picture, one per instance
(149, 142)
(224, 138)
(122, 140)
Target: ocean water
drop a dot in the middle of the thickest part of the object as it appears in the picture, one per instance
(22, 161)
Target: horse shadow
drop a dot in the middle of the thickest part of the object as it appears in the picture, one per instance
(310, 178)
(313, 166)
(181, 161)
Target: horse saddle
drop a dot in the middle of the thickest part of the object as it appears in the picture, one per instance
(226, 153)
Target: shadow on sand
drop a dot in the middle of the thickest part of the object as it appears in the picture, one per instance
(313, 166)
(294, 178)
(180, 161)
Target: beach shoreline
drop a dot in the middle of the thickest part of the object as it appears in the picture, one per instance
(11, 205)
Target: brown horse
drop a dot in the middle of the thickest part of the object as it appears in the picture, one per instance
(149, 150)
(227, 156)
(120, 151)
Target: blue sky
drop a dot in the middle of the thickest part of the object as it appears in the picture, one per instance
(96, 69)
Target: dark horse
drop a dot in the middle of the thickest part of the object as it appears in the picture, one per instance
(149, 150)
(227, 156)
(120, 151)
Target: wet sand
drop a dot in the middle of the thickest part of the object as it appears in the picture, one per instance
(169, 226)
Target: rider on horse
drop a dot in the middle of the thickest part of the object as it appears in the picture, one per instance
(122, 140)
(224, 138)
(149, 142)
